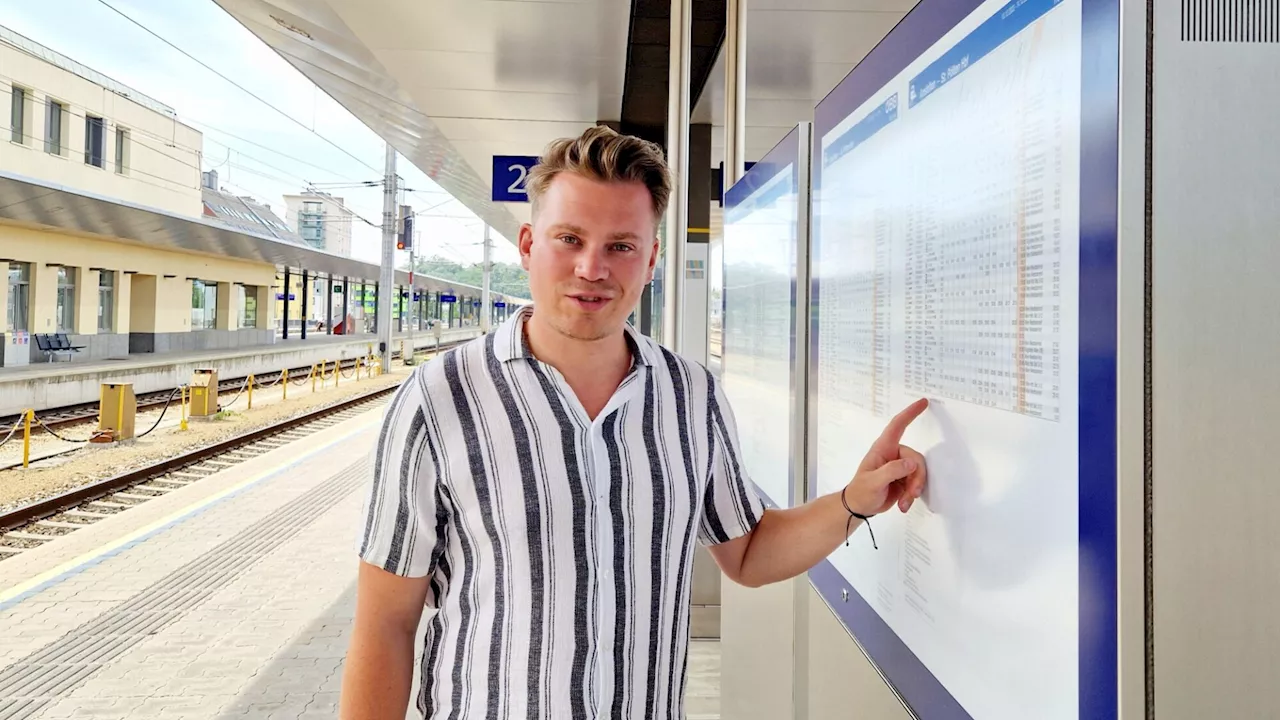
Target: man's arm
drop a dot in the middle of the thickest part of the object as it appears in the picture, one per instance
(786, 543)
(378, 672)
(399, 548)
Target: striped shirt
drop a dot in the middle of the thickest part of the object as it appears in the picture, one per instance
(559, 549)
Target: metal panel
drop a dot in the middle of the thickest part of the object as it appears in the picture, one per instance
(1215, 337)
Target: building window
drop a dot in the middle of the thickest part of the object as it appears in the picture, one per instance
(248, 302)
(66, 309)
(204, 305)
(106, 301)
(122, 150)
(311, 224)
(94, 141)
(19, 295)
(53, 127)
(18, 115)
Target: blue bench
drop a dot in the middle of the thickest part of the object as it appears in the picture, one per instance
(55, 344)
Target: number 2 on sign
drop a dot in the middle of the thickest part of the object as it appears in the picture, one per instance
(517, 185)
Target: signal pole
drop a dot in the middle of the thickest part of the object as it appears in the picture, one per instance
(410, 307)
(387, 278)
(486, 312)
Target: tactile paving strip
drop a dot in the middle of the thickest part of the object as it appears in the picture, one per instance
(50, 674)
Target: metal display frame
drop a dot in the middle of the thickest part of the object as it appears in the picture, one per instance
(793, 151)
(920, 691)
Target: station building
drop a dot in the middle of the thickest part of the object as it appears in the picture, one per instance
(114, 239)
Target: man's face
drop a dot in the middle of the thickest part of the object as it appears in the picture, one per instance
(589, 253)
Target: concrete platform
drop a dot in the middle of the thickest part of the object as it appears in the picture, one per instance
(228, 598)
(50, 385)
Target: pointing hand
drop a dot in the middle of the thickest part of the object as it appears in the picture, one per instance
(891, 473)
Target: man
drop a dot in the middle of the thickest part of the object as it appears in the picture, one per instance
(543, 487)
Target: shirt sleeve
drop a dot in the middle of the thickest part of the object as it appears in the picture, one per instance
(403, 523)
(731, 505)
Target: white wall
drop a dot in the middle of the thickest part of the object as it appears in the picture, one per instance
(162, 155)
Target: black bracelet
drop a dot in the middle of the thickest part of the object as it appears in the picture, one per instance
(864, 518)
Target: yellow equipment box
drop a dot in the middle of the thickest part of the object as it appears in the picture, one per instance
(117, 408)
(204, 392)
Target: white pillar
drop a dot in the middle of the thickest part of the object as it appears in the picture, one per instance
(227, 316)
(678, 159)
(735, 91)
(86, 311)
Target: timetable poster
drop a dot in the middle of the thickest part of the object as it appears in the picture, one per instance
(946, 266)
(760, 236)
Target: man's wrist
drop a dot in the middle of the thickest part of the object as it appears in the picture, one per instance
(853, 513)
(849, 499)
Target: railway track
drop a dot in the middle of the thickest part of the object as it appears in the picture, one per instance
(70, 415)
(45, 520)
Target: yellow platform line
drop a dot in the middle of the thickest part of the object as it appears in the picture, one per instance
(72, 566)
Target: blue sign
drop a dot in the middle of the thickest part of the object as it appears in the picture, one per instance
(280, 296)
(475, 303)
(448, 298)
(499, 304)
(509, 175)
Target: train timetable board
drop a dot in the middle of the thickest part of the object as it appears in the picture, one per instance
(964, 250)
(765, 258)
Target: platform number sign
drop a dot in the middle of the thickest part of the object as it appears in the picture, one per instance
(510, 173)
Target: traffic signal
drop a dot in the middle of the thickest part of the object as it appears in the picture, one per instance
(404, 234)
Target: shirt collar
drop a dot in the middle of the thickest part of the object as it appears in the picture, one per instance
(510, 343)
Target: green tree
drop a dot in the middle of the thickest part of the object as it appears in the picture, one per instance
(505, 279)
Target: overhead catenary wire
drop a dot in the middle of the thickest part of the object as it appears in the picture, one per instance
(243, 89)
(173, 185)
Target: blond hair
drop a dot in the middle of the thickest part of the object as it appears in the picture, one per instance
(600, 153)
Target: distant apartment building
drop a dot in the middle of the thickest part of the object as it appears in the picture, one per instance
(323, 221)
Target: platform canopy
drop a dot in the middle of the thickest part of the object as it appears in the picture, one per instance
(453, 83)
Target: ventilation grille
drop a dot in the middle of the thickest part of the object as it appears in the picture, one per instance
(1236, 21)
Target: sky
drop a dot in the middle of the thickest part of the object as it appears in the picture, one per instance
(256, 150)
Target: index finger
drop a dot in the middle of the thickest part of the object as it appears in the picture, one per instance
(893, 432)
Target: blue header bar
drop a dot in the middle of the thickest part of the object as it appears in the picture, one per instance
(783, 157)
(1012, 19)
(779, 190)
(885, 113)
